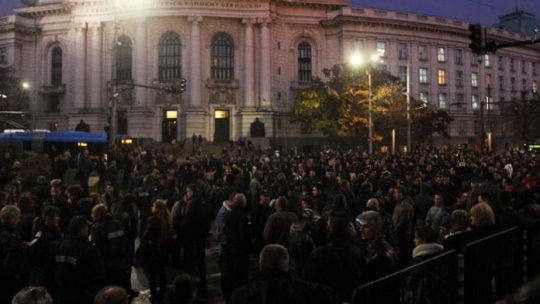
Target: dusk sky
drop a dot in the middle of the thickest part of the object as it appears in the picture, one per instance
(481, 11)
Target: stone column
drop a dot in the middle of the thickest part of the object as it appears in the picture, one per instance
(249, 65)
(95, 73)
(194, 81)
(140, 63)
(265, 66)
(80, 68)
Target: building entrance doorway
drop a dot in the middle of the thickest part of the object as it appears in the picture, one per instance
(221, 126)
(169, 126)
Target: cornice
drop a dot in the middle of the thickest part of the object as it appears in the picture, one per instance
(42, 10)
(395, 24)
(335, 4)
(19, 29)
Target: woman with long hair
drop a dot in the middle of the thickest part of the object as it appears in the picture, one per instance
(155, 238)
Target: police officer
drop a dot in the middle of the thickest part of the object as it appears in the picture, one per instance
(145, 194)
(77, 269)
(14, 268)
(39, 253)
(112, 244)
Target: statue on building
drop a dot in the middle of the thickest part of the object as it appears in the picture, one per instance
(257, 128)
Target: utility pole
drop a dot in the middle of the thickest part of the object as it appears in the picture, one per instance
(370, 119)
(409, 145)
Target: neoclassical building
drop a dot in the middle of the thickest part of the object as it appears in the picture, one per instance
(113, 60)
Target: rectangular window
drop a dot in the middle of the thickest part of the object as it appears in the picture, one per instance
(512, 65)
(474, 102)
(513, 84)
(524, 85)
(381, 48)
(501, 63)
(422, 75)
(54, 104)
(424, 97)
(402, 51)
(403, 74)
(442, 100)
(422, 52)
(534, 87)
(460, 102)
(501, 83)
(489, 80)
(459, 56)
(441, 54)
(474, 60)
(459, 78)
(523, 67)
(487, 61)
(474, 79)
(489, 103)
(3, 55)
(441, 77)
(533, 68)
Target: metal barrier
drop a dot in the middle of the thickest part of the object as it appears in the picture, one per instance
(488, 269)
(493, 266)
(431, 281)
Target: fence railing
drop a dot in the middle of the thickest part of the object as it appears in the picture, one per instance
(486, 270)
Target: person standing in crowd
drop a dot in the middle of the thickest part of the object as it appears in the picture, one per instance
(428, 284)
(274, 284)
(459, 234)
(32, 295)
(340, 264)
(403, 219)
(154, 245)
(59, 201)
(80, 202)
(84, 167)
(78, 271)
(113, 246)
(235, 253)
(14, 266)
(192, 218)
(301, 242)
(112, 295)
(260, 212)
(437, 216)
(278, 225)
(47, 232)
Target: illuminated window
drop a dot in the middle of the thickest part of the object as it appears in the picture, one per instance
(221, 114)
(474, 101)
(474, 79)
(441, 54)
(487, 60)
(424, 97)
(422, 52)
(422, 75)
(441, 76)
(171, 114)
(442, 100)
(381, 48)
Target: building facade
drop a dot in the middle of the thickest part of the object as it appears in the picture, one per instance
(112, 61)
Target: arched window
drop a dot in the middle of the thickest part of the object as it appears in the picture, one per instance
(304, 62)
(123, 58)
(169, 57)
(56, 66)
(222, 57)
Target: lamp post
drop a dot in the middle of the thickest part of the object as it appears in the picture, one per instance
(358, 60)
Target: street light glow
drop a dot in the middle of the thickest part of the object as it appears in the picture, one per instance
(358, 59)
(25, 85)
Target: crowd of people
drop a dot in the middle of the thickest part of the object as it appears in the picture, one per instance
(320, 225)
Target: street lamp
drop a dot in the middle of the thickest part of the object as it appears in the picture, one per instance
(357, 60)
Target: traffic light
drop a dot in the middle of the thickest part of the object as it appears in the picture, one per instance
(478, 38)
(182, 86)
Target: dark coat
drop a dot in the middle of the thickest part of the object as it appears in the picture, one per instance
(39, 255)
(279, 288)
(112, 244)
(429, 283)
(340, 265)
(14, 267)
(78, 271)
(277, 228)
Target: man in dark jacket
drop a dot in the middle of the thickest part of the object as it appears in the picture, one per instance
(278, 225)
(14, 268)
(111, 242)
(77, 269)
(340, 264)
(235, 253)
(274, 284)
